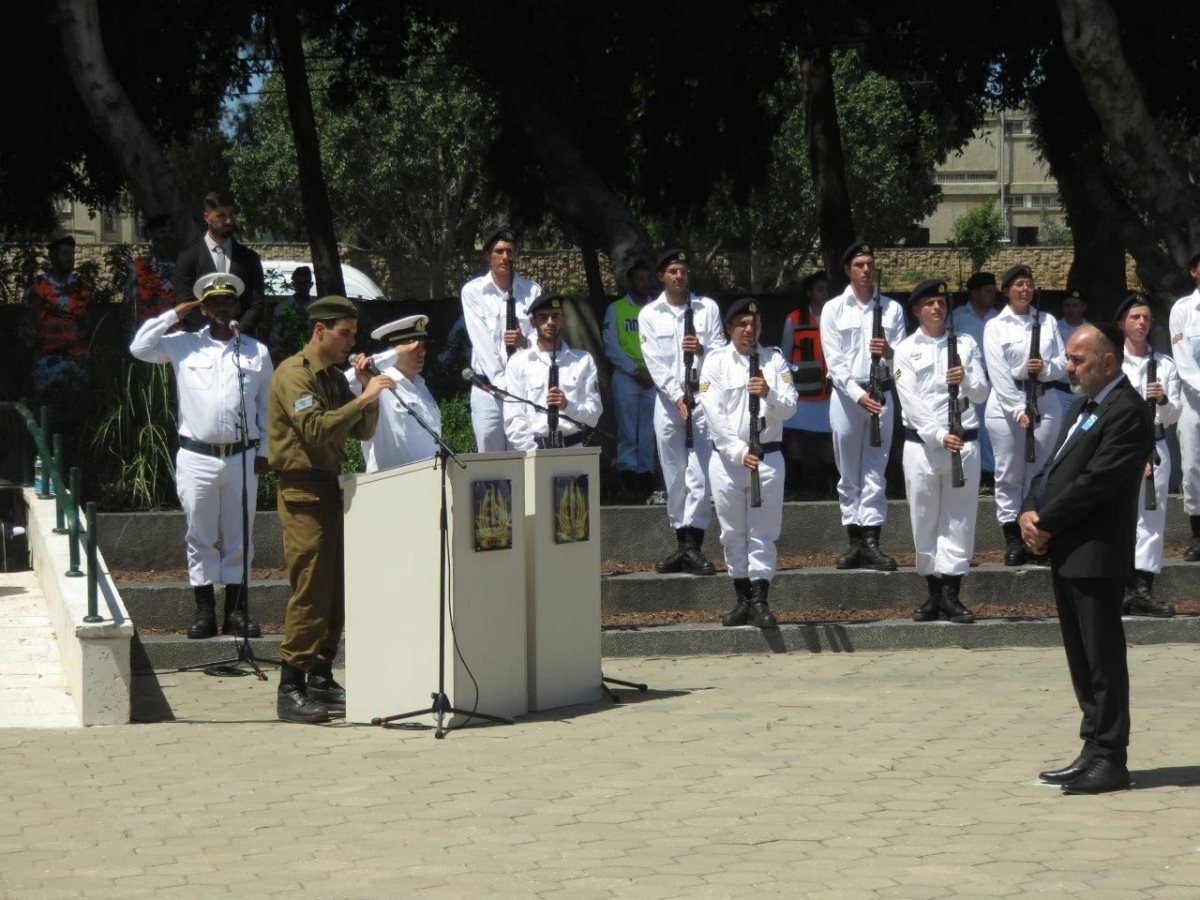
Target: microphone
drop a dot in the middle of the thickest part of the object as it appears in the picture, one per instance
(236, 327)
(480, 381)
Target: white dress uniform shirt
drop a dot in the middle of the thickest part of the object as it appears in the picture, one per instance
(661, 327)
(921, 364)
(398, 439)
(207, 376)
(528, 376)
(846, 338)
(1006, 351)
(1185, 346)
(485, 314)
(727, 402)
(1152, 523)
(969, 322)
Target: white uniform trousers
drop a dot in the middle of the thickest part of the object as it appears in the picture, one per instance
(210, 492)
(685, 473)
(487, 420)
(943, 517)
(635, 424)
(1152, 523)
(1013, 474)
(1188, 430)
(862, 487)
(748, 535)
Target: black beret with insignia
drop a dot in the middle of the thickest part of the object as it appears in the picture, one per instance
(1018, 271)
(747, 305)
(1129, 303)
(930, 287)
(503, 233)
(548, 302)
(980, 279)
(1075, 294)
(673, 255)
(858, 248)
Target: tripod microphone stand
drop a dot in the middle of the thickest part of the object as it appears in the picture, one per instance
(441, 706)
(244, 652)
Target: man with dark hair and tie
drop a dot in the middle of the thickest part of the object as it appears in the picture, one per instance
(218, 252)
(1082, 509)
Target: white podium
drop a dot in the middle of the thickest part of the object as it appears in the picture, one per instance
(562, 549)
(392, 538)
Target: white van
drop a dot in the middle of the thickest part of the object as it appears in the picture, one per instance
(277, 274)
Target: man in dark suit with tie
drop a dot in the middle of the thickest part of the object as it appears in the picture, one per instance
(217, 251)
(1082, 508)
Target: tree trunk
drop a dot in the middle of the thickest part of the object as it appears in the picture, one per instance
(1137, 152)
(836, 222)
(318, 216)
(150, 178)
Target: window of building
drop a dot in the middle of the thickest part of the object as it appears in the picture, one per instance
(1018, 126)
(66, 206)
(1027, 236)
(108, 220)
(965, 177)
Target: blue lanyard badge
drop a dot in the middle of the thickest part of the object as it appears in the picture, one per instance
(1089, 422)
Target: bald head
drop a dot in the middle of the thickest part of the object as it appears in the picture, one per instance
(1094, 356)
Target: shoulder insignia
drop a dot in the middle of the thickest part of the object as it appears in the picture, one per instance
(302, 403)
(641, 337)
(896, 374)
(785, 377)
(1176, 338)
(703, 386)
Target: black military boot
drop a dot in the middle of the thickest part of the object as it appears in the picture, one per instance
(850, 559)
(931, 608)
(1128, 597)
(760, 614)
(952, 607)
(1014, 549)
(322, 689)
(205, 623)
(235, 614)
(1192, 554)
(1142, 602)
(870, 555)
(292, 704)
(741, 612)
(674, 562)
(693, 560)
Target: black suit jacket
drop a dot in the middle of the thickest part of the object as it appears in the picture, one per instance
(1087, 496)
(195, 261)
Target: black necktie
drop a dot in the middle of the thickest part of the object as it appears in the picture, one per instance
(1089, 407)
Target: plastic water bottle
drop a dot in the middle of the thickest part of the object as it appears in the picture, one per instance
(37, 474)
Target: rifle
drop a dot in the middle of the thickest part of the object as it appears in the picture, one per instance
(1151, 377)
(510, 313)
(1031, 385)
(957, 477)
(554, 438)
(690, 378)
(755, 433)
(873, 387)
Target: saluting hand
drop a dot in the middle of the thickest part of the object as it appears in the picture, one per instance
(182, 309)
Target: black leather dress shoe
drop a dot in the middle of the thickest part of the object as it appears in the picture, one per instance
(1102, 776)
(1069, 772)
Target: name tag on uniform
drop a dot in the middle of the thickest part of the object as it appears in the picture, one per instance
(1089, 422)
(303, 403)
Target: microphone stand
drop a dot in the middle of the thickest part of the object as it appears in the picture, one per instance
(232, 666)
(441, 706)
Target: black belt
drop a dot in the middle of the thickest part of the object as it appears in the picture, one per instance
(1040, 385)
(884, 386)
(573, 440)
(970, 434)
(773, 447)
(220, 451)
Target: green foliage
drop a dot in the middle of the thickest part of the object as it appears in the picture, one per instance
(132, 447)
(1052, 233)
(456, 424)
(977, 233)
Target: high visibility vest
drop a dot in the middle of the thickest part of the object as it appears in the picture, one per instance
(626, 316)
(809, 372)
(152, 290)
(59, 330)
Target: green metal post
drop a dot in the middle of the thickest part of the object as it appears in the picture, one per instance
(60, 525)
(73, 529)
(93, 614)
(44, 493)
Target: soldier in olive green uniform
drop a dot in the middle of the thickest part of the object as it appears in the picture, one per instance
(311, 413)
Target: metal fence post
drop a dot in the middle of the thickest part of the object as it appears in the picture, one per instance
(44, 493)
(93, 614)
(60, 526)
(73, 528)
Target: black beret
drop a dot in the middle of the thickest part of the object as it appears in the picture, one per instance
(1075, 294)
(1195, 260)
(1017, 271)
(638, 262)
(60, 237)
(743, 306)
(1129, 303)
(503, 233)
(673, 255)
(548, 302)
(930, 287)
(980, 279)
(331, 308)
(858, 248)
(811, 279)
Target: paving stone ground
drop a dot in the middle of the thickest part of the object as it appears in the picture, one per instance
(33, 686)
(908, 774)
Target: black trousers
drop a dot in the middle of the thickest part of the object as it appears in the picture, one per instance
(1089, 613)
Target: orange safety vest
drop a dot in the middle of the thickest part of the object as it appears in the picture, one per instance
(59, 330)
(152, 294)
(809, 372)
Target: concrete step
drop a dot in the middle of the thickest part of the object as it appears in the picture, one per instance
(169, 605)
(167, 652)
(145, 542)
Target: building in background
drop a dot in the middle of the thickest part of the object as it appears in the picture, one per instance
(1000, 162)
(111, 225)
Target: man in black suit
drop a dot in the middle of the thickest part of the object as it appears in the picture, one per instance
(217, 251)
(1082, 508)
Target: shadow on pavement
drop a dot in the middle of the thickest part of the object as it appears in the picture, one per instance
(1168, 776)
(148, 702)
